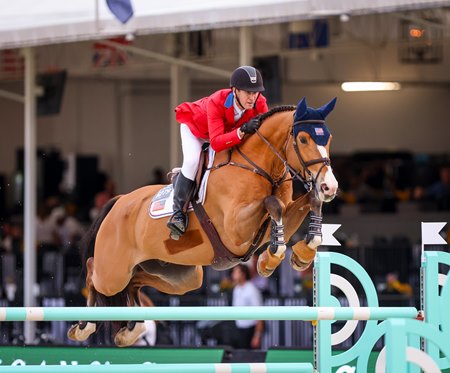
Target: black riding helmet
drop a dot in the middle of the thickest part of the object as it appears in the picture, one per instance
(247, 78)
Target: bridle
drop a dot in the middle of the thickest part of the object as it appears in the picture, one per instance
(307, 178)
(305, 175)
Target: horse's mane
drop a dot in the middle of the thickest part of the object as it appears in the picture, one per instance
(276, 109)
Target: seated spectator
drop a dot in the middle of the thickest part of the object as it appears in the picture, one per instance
(394, 293)
(438, 192)
(46, 232)
(69, 228)
(108, 192)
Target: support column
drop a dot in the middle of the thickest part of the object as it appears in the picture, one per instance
(30, 192)
(179, 92)
(245, 46)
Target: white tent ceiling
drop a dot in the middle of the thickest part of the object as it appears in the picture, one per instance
(31, 22)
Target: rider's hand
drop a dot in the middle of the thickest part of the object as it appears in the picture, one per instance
(251, 126)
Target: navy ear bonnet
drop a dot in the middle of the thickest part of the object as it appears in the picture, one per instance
(318, 131)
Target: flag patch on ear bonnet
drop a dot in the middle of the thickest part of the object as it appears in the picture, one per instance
(319, 132)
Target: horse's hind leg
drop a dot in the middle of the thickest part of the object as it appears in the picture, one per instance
(83, 329)
(129, 334)
(271, 258)
(168, 278)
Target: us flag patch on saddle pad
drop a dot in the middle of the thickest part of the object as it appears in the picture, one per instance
(162, 203)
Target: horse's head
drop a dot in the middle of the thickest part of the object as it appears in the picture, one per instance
(311, 143)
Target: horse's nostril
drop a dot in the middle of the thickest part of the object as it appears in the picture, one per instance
(324, 187)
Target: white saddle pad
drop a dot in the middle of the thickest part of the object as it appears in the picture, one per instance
(161, 204)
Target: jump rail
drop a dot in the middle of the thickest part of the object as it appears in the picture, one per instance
(203, 313)
(168, 368)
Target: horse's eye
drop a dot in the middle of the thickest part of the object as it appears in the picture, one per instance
(303, 140)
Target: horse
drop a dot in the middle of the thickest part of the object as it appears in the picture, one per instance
(249, 186)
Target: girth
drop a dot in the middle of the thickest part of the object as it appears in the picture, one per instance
(223, 258)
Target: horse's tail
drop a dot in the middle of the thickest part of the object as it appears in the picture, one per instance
(87, 245)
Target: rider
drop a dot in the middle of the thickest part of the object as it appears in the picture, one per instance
(221, 119)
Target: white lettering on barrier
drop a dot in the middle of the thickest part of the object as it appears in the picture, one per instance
(346, 369)
(20, 362)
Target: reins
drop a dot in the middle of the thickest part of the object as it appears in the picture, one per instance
(306, 178)
(307, 181)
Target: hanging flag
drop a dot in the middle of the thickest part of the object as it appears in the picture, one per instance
(430, 234)
(106, 55)
(122, 9)
(327, 235)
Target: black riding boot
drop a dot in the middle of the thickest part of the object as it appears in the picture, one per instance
(182, 194)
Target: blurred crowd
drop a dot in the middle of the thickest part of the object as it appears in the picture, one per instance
(379, 182)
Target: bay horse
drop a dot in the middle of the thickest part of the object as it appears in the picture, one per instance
(248, 185)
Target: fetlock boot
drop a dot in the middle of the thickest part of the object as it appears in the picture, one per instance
(182, 194)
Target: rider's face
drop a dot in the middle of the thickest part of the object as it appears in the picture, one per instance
(246, 99)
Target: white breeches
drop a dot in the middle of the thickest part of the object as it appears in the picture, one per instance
(192, 146)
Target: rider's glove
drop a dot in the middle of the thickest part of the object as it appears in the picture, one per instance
(251, 126)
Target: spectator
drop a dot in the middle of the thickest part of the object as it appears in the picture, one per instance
(69, 228)
(46, 232)
(158, 177)
(245, 293)
(100, 199)
(438, 192)
(394, 293)
(262, 283)
(156, 331)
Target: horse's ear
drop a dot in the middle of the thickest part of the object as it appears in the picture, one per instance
(302, 107)
(327, 108)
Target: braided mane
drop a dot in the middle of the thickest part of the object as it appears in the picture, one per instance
(276, 109)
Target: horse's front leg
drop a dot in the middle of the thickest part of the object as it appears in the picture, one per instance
(304, 252)
(270, 259)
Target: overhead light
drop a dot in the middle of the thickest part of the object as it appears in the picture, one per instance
(370, 86)
(344, 17)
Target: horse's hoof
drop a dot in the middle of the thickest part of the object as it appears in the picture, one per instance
(267, 263)
(75, 333)
(126, 337)
(299, 265)
(264, 271)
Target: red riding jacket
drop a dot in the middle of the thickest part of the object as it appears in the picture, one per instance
(212, 118)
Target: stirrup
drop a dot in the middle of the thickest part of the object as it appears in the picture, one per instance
(177, 224)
